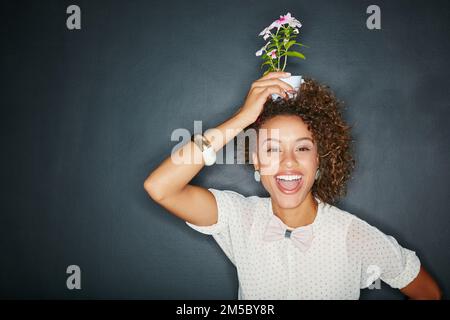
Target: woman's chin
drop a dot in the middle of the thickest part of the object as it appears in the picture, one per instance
(288, 201)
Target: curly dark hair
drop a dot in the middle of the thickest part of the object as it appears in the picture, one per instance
(321, 111)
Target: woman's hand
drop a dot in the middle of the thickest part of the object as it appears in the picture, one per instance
(260, 90)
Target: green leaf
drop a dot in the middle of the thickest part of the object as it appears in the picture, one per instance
(301, 45)
(289, 44)
(267, 62)
(295, 54)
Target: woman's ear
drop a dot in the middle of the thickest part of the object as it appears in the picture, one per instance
(255, 160)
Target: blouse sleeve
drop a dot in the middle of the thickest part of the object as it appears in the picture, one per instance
(229, 207)
(227, 204)
(381, 255)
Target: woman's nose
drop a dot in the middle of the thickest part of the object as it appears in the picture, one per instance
(289, 159)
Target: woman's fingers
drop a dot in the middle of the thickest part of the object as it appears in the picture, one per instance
(265, 91)
(274, 74)
(269, 82)
(260, 91)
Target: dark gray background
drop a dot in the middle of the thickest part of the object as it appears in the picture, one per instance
(87, 114)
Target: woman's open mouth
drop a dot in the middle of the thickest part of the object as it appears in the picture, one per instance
(289, 183)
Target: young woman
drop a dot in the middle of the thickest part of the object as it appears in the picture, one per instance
(294, 244)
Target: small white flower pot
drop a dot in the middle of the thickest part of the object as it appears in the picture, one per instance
(294, 81)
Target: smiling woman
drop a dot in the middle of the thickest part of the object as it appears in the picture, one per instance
(324, 148)
(294, 244)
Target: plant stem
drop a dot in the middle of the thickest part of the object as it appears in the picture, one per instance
(278, 51)
(271, 63)
(285, 57)
(285, 60)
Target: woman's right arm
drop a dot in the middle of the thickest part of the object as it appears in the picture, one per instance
(168, 184)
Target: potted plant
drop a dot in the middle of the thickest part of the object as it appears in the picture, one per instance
(277, 50)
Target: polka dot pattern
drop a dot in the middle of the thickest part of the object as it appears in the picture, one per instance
(345, 255)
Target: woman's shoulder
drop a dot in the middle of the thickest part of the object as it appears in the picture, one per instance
(241, 210)
(350, 221)
(236, 197)
(337, 215)
(234, 194)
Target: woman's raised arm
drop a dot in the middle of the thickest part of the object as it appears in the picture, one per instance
(169, 185)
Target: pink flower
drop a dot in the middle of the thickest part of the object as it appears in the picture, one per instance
(260, 51)
(275, 24)
(286, 19)
(264, 31)
(272, 54)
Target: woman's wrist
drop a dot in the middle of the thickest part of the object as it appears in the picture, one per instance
(245, 119)
(226, 131)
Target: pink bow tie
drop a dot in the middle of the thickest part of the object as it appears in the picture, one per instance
(276, 230)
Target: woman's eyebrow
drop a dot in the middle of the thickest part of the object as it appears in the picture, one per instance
(299, 139)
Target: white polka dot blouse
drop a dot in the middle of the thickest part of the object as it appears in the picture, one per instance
(346, 253)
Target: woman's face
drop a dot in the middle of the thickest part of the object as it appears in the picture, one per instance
(287, 159)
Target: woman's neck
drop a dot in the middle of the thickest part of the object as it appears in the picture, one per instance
(300, 216)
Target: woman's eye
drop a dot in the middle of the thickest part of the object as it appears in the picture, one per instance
(303, 149)
(272, 149)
